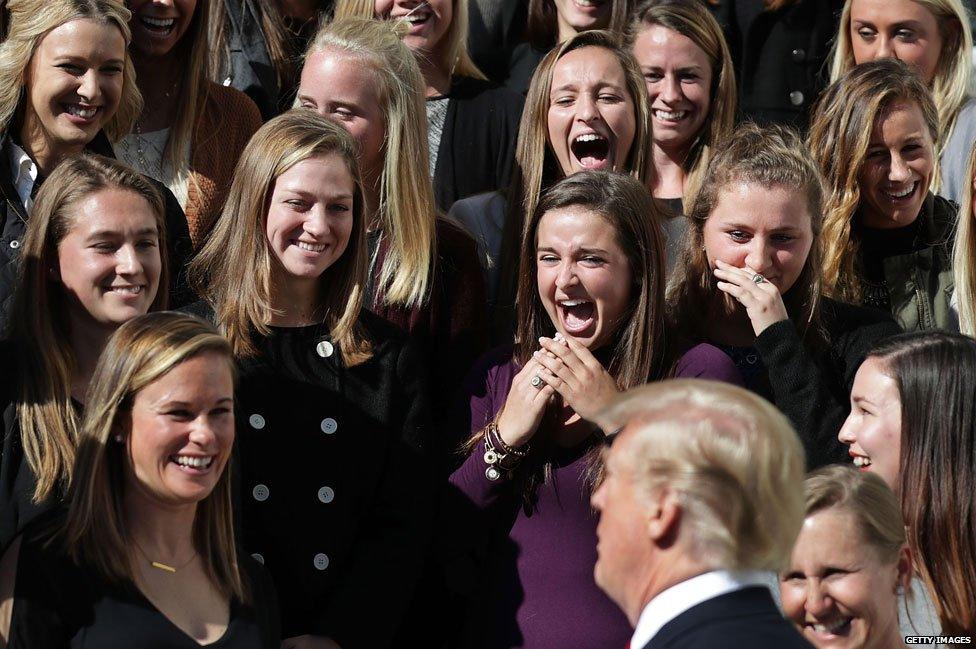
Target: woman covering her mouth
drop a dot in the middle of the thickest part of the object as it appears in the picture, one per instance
(887, 238)
(912, 422)
(590, 324)
(94, 258)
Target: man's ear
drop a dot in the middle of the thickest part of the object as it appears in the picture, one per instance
(663, 516)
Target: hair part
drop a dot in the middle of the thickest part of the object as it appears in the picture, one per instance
(39, 316)
(542, 22)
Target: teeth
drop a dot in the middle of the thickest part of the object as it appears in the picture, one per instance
(195, 462)
(588, 3)
(861, 462)
(131, 290)
(671, 117)
(908, 190)
(569, 303)
(589, 137)
(78, 111)
(830, 628)
(416, 18)
(311, 247)
(158, 22)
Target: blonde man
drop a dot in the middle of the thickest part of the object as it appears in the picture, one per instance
(702, 496)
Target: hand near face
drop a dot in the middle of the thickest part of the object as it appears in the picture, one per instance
(309, 642)
(578, 377)
(526, 403)
(762, 300)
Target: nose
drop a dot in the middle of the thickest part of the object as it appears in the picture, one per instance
(899, 171)
(586, 109)
(89, 90)
(760, 255)
(202, 433)
(317, 224)
(127, 261)
(819, 602)
(846, 434)
(884, 51)
(566, 276)
(596, 500)
(671, 89)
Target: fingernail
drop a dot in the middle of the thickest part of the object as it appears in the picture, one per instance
(542, 339)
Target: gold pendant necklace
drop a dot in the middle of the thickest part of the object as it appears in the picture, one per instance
(159, 565)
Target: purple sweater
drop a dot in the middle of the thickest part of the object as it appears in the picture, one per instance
(535, 569)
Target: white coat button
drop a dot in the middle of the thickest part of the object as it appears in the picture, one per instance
(326, 495)
(261, 493)
(321, 561)
(324, 349)
(796, 98)
(256, 421)
(15, 244)
(258, 557)
(329, 425)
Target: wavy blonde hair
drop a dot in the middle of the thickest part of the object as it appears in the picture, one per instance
(733, 460)
(456, 58)
(406, 209)
(39, 317)
(139, 353)
(964, 255)
(952, 84)
(694, 21)
(234, 268)
(29, 21)
(843, 121)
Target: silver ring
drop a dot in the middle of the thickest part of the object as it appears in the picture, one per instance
(536, 381)
(758, 279)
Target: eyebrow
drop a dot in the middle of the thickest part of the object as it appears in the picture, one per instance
(860, 399)
(574, 86)
(114, 233)
(743, 226)
(303, 192)
(178, 403)
(599, 251)
(72, 58)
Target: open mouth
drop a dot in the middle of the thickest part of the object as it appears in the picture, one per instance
(193, 463)
(903, 195)
(592, 151)
(126, 290)
(577, 315)
(862, 461)
(158, 26)
(309, 247)
(81, 112)
(838, 627)
(670, 115)
(589, 4)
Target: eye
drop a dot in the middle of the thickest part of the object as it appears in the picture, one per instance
(297, 204)
(689, 76)
(563, 101)
(70, 68)
(793, 576)
(877, 154)
(305, 103)
(340, 207)
(830, 573)
(783, 238)
(592, 260)
(547, 258)
(147, 243)
(180, 414)
(220, 411)
(866, 33)
(653, 76)
(344, 114)
(906, 35)
(112, 70)
(739, 236)
(609, 98)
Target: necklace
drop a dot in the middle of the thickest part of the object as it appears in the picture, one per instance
(159, 565)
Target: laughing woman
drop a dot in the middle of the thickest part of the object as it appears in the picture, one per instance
(590, 324)
(586, 109)
(333, 429)
(94, 257)
(749, 282)
(471, 124)
(887, 238)
(66, 85)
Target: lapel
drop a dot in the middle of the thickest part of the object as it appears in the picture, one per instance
(739, 604)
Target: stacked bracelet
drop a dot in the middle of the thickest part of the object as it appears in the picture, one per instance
(499, 456)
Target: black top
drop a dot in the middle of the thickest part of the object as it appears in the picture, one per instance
(60, 605)
(477, 148)
(334, 485)
(742, 619)
(521, 68)
(876, 246)
(812, 386)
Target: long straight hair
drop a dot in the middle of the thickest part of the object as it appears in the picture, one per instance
(234, 269)
(456, 59)
(406, 209)
(39, 317)
(542, 27)
(935, 373)
(952, 85)
(29, 21)
(693, 21)
(840, 132)
(141, 352)
(536, 167)
(964, 255)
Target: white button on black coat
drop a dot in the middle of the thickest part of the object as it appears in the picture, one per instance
(334, 480)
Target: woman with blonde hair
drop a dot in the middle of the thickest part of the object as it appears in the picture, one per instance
(692, 98)
(50, 110)
(191, 131)
(964, 257)
(600, 120)
(886, 237)
(94, 257)
(146, 554)
(471, 123)
(934, 37)
(333, 439)
(424, 274)
(749, 283)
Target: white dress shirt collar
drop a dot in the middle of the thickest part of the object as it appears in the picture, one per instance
(24, 172)
(673, 601)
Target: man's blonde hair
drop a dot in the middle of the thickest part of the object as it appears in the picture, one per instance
(732, 459)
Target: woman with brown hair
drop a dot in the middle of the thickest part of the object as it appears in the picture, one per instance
(145, 556)
(749, 282)
(94, 257)
(590, 318)
(334, 432)
(191, 131)
(887, 238)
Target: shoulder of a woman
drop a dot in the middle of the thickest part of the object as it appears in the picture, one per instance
(842, 318)
(706, 361)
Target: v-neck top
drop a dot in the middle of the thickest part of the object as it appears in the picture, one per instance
(60, 605)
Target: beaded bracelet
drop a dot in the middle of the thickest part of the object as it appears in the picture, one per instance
(499, 456)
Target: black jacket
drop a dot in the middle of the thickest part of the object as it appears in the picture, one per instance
(477, 148)
(249, 66)
(780, 57)
(812, 388)
(742, 619)
(334, 484)
(13, 226)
